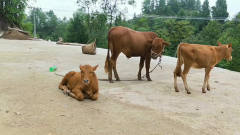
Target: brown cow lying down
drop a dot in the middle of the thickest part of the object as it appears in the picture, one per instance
(82, 84)
(199, 56)
(145, 45)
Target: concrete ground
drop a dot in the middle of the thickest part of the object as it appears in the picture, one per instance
(31, 104)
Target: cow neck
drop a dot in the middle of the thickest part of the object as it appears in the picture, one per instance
(221, 53)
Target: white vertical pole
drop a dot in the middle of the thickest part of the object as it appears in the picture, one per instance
(34, 18)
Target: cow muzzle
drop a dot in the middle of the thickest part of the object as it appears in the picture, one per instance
(86, 81)
(229, 59)
(155, 55)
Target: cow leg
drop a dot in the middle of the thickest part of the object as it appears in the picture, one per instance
(92, 95)
(141, 64)
(110, 71)
(114, 63)
(208, 85)
(95, 96)
(63, 85)
(176, 73)
(147, 63)
(184, 77)
(77, 94)
(207, 71)
(175, 82)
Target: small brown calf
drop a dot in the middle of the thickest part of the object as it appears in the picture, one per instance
(199, 56)
(82, 84)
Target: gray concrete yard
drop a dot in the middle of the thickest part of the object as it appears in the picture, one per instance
(31, 104)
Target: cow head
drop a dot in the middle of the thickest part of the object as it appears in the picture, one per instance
(158, 45)
(228, 51)
(87, 73)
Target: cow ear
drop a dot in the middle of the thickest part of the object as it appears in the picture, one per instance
(81, 67)
(219, 43)
(95, 68)
(230, 45)
(166, 43)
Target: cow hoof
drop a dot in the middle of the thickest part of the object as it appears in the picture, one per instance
(111, 81)
(66, 92)
(203, 91)
(188, 92)
(176, 90)
(208, 89)
(140, 79)
(118, 79)
(149, 79)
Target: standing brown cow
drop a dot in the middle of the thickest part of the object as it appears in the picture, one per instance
(199, 56)
(132, 43)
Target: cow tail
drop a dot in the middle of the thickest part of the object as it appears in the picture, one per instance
(107, 58)
(178, 70)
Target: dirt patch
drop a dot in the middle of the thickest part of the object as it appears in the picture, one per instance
(15, 35)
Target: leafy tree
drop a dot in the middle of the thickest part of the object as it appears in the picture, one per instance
(177, 31)
(99, 29)
(40, 18)
(112, 8)
(152, 6)
(205, 12)
(220, 10)
(13, 11)
(191, 4)
(86, 5)
(198, 5)
(141, 24)
(51, 25)
(161, 7)
(61, 28)
(211, 32)
(209, 35)
(173, 6)
(46, 23)
(27, 26)
(146, 7)
(77, 31)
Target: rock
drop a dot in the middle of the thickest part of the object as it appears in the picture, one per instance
(17, 113)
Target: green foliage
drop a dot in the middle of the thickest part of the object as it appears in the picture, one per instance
(28, 26)
(146, 7)
(61, 29)
(211, 33)
(176, 32)
(13, 11)
(161, 7)
(48, 26)
(99, 29)
(173, 5)
(220, 10)
(205, 12)
(77, 30)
